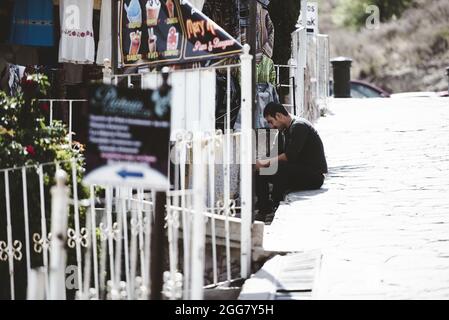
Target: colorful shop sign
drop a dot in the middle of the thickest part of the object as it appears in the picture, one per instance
(158, 32)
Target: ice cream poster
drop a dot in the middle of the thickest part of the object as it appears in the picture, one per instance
(158, 32)
(150, 31)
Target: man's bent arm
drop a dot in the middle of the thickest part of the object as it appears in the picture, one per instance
(267, 163)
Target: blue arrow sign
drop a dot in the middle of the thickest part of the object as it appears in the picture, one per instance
(129, 174)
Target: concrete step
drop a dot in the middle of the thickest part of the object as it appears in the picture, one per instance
(284, 277)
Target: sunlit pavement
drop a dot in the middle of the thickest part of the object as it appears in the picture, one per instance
(382, 218)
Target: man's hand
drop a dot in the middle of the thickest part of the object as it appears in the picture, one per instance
(262, 164)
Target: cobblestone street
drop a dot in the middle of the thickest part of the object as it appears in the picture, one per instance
(381, 220)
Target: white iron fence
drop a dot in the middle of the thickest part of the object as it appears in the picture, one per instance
(63, 110)
(106, 236)
(107, 233)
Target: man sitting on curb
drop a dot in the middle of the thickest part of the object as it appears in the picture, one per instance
(301, 160)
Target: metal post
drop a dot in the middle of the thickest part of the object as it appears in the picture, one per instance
(227, 174)
(246, 183)
(303, 57)
(107, 72)
(10, 247)
(51, 112)
(199, 224)
(44, 234)
(114, 33)
(253, 104)
(77, 225)
(292, 77)
(26, 221)
(93, 229)
(59, 217)
(157, 247)
(70, 121)
(36, 285)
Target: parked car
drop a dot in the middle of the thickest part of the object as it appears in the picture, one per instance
(363, 89)
(423, 94)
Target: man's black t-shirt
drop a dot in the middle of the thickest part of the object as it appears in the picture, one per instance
(303, 146)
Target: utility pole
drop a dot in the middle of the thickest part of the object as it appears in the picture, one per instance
(303, 57)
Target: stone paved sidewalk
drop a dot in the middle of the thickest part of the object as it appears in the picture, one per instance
(382, 217)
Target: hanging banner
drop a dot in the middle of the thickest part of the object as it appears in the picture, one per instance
(128, 138)
(158, 32)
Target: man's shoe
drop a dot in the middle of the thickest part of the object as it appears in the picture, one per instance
(259, 217)
(263, 205)
(269, 218)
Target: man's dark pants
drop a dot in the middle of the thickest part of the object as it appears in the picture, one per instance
(288, 177)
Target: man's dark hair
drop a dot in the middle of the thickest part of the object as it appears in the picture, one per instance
(272, 108)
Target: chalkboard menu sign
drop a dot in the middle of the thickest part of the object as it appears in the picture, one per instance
(129, 133)
(158, 32)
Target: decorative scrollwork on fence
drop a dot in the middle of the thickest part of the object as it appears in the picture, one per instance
(106, 234)
(3, 251)
(221, 208)
(41, 243)
(172, 287)
(116, 293)
(141, 291)
(172, 219)
(138, 226)
(73, 238)
(15, 251)
(232, 208)
(218, 138)
(90, 295)
(188, 137)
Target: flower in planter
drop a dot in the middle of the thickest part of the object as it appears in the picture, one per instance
(30, 86)
(30, 150)
(45, 107)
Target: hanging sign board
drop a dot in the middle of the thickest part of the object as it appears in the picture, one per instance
(128, 138)
(158, 32)
(312, 17)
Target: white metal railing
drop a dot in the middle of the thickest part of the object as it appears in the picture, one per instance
(108, 224)
(109, 232)
(221, 212)
(66, 106)
(195, 140)
(291, 85)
